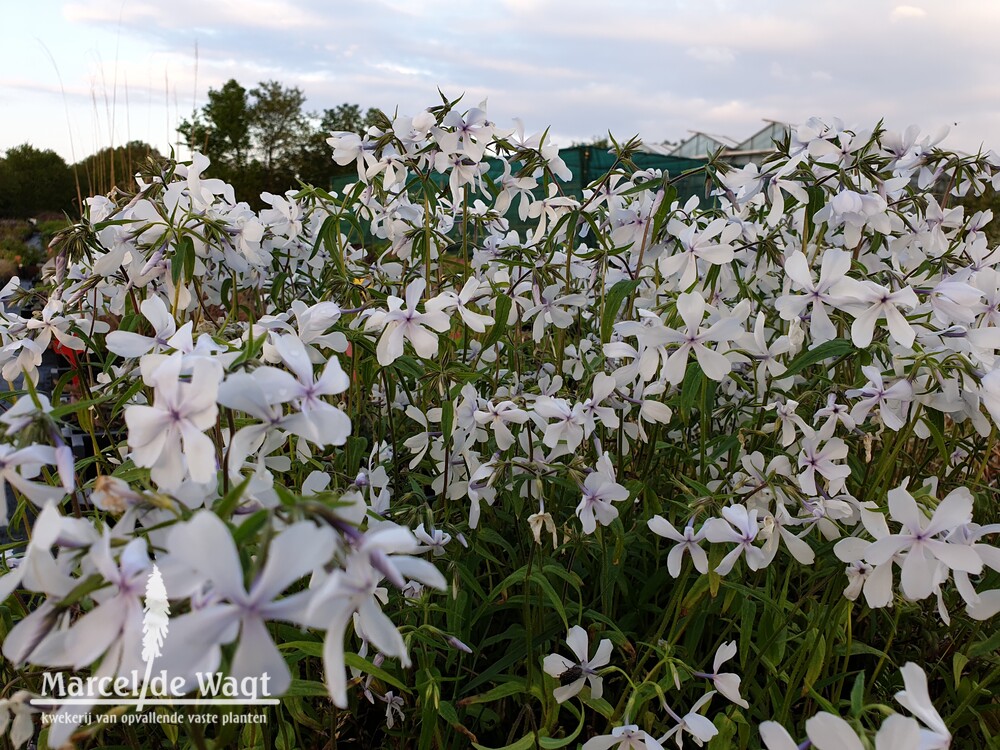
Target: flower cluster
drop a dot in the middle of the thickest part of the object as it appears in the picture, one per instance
(316, 417)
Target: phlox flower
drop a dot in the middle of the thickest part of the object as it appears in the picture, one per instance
(168, 437)
(22, 728)
(113, 628)
(691, 307)
(496, 416)
(829, 290)
(712, 244)
(18, 467)
(461, 301)
(726, 683)
(934, 735)
(700, 727)
(400, 324)
(686, 542)
(205, 547)
(376, 554)
(881, 303)
(628, 737)
(776, 529)
(990, 392)
(128, 344)
(565, 430)
(548, 309)
(600, 490)
(738, 526)
(917, 538)
(318, 421)
(53, 324)
(549, 210)
(893, 401)
(350, 147)
(834, 414)
(816, 459)
(573, 674)
(854, 211)
(829, 732)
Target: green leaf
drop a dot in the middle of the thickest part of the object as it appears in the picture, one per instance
(360, 663)
(826, 350)
(858, 694)
(225, 507)
(500, 314)
(817, 660)
(525, 743)
(613, 302)
(447, 420)
(690, 388)
(354, 450)
(504, 690)
(250, 526)
(550, 592)
(669, 196)
(307, 688)
(958, 662)
(934, 420)
(988, 646)
(817, 197)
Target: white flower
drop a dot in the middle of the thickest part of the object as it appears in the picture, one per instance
(893, 401)
(882, 303)
(22, 728)
(628, 737)
(915, 699)
(317, 421)
(726, 683)
(128, 344)
(18, 467)
(917, 539)
(181, 412)
(205, 547)
(821, 460)
(600, 490)
(400, 324)
(573, 674)
(712, 244)
(738, 526)
(686, 542)
(383, 552)
(691, 307)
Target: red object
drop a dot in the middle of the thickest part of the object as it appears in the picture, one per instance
(70, 355)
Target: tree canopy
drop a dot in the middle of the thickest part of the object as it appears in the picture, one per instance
(265, 140)
(33, 181)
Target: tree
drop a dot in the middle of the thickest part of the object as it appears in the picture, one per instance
(278, 125)
(221, 130)
(314, 162)
(114, 167)
(33, 181)
(262, 140)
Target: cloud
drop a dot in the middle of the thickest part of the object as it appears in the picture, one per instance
(657, 67)
(712, 55)
(907, 12)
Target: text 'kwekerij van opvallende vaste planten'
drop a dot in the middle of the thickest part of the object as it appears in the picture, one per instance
(455, 456)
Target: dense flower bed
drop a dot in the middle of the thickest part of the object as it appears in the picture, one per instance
(645, 472)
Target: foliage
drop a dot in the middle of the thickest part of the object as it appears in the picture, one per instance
(263, 140)
(33, 181)
(644, 473)
(116, 167)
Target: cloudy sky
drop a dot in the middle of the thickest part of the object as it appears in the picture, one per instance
(78, 75)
